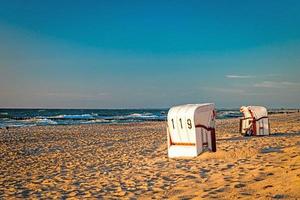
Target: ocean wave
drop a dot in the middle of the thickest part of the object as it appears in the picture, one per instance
(73, 117)
(21, 125)
(46, 121)
(142, 115)
(228, 114)
(135, 115)
(37, 120)
(4, 115)
(95, 121)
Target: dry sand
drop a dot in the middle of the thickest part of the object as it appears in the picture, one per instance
(130, 161)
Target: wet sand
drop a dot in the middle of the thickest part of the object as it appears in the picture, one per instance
(130, 161)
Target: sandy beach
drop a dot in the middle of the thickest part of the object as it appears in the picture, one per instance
(129, 161)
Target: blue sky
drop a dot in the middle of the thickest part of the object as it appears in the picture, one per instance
(145, 54)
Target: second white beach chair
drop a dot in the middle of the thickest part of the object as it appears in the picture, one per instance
(255, 121)
(191, 130)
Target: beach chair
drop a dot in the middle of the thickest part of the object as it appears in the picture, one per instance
(191, 130)
(255, 121)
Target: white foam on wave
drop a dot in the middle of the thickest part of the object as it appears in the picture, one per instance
(95, 121)
(83, 116)
(39, 120)
(45, 121)
(135, 115)
(144, 115)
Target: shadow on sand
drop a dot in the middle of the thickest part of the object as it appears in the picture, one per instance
(242, 138)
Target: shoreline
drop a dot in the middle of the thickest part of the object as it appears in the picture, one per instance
(130, 161)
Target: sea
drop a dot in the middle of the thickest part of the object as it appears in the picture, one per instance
(43, 117)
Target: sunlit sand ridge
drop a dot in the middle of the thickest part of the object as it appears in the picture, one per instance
(124, 161)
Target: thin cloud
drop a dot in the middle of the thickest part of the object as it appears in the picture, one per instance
(239, 76)
(238, 91)
(273, 84)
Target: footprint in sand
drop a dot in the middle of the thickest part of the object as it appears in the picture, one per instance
(245, 193)
(242, 174)
(190, 177)
(220, 190)
(257, 179)
(268, 186)
(239, 185)
(210, 189)
(270, 174)
(175, 192)
(279, 196)
(203, 173)
(187, 197)
(227, 178)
